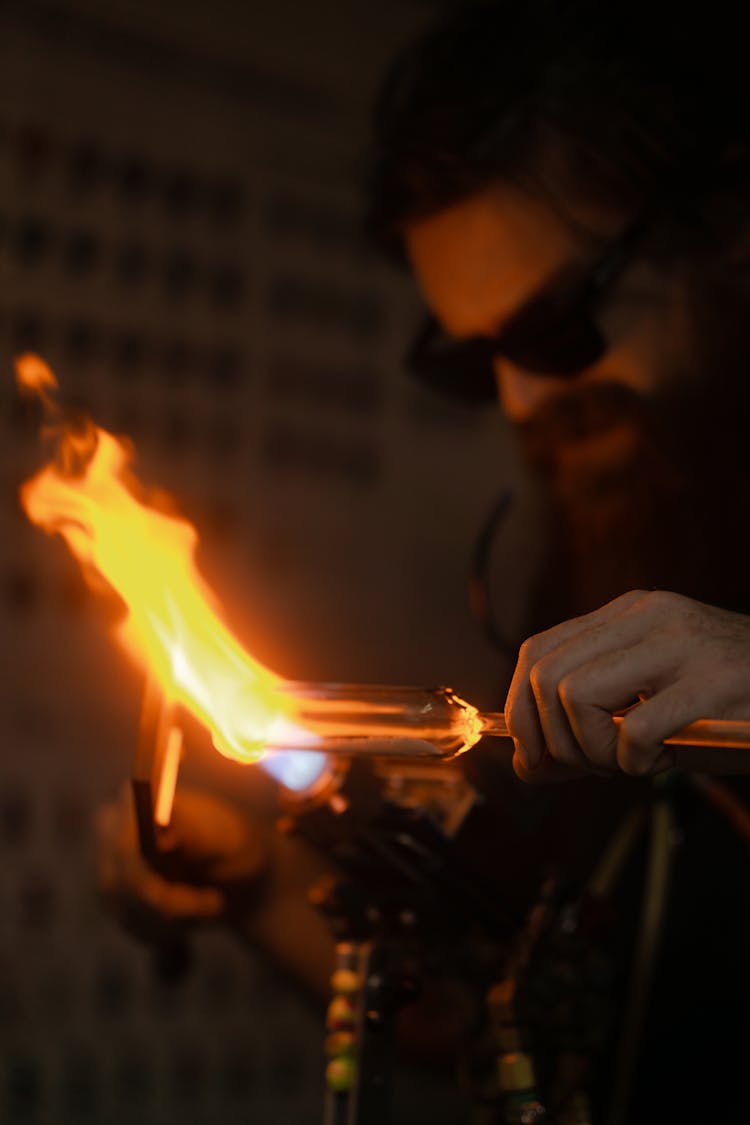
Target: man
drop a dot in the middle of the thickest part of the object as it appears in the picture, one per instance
(569, 186)
(569, 183)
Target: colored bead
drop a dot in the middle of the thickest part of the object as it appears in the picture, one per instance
(346, 980)
(340, 1043)
(340, 1074)
(516, 1072)
(341, 1014)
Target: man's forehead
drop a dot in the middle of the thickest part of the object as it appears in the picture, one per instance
(479, 260)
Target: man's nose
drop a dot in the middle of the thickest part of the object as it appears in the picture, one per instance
(521, 392)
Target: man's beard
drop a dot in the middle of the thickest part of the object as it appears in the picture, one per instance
(645, 493)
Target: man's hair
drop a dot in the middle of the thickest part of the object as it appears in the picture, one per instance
(625, 104)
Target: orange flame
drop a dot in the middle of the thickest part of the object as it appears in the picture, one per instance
(172, 628)
(33, 374)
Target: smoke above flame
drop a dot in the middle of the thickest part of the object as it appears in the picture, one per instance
(172, 626)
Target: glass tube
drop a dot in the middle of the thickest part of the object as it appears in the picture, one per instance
(375, 720)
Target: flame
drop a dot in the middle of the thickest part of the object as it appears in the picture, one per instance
(34, 376)
(172, 626)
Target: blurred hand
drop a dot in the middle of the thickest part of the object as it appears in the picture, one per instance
(210, 857)
(683, 660)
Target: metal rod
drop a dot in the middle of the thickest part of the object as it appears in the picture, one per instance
(731, 733)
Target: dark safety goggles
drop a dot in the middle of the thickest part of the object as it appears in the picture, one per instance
(555, 333)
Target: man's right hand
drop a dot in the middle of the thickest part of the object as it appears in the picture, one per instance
(682, 659)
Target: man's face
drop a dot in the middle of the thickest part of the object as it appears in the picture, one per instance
(481, 261)
(617, 440)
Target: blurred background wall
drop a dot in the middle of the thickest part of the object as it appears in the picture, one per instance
(180, 205)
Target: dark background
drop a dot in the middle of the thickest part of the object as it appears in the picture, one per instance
(180, 207)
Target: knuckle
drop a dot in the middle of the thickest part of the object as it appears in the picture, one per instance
(631, 597)
(542, 679)
(529, 650)
(666, 603)
(569, 691)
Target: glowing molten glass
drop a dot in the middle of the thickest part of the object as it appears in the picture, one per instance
(172, 627)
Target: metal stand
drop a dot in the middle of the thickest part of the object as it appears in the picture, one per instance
(402, 903)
